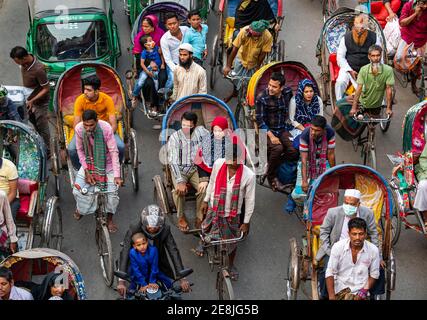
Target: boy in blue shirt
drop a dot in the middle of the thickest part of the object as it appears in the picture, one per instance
(144, 265)
(151, 59)
(196, 36)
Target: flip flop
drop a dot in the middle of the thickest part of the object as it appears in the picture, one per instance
(234, 274)
(77, 215)
(112, 228)
(183, 226)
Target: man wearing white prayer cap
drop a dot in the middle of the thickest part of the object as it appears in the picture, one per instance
(335, 228)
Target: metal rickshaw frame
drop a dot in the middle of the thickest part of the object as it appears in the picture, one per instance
(60, 143)
(302, 266)
(55, 260)
(163, 187)
(219, 55)
(39, 216)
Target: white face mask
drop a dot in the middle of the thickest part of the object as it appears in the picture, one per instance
(349, 210)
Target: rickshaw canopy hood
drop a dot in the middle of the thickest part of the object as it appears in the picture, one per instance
(43, 8)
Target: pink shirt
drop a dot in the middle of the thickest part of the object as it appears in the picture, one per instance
(112, 160)
(415, 32)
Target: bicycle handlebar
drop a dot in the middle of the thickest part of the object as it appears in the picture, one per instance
(236, 77)
(370, 119)
(207, 240)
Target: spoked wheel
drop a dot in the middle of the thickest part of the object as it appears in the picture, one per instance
(105, 253)
(292, 280)
(240, 115)
(390, 275)
(134, 162)
(161, 198)
(281, 50)
(51, 234)
(329, 6)
(396, 221)
(384, 125)
(332, 98)
(224, 286)
(56, 165)
(370, 158)
(213, 63)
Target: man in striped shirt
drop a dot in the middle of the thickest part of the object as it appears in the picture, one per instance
(182, 148)
(317, 147)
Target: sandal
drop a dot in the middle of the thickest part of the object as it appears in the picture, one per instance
(199, 250)
(234, 274)
(77, 215)
(112, 228)
(183, 225)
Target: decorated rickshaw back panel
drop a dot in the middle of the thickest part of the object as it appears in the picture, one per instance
(414, 128)
(232, 6)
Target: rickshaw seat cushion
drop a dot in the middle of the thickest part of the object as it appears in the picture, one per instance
(333, 67)
(326, 197)
(27, 198)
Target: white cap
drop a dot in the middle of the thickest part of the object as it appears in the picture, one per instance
(353, 193)
(186, 46)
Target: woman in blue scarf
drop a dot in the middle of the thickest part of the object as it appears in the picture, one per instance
(305, 105)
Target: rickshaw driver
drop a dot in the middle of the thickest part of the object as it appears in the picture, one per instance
(182, 149)
(152, 224)
(353, 266)
(373, 81)
(98, 155)
(249, 50)
(272, 115)
(93, 99)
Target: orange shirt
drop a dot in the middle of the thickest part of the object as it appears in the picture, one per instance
(104, 106)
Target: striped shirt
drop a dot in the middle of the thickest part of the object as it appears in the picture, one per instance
(182, 152)
(188, 82)
(305, 142)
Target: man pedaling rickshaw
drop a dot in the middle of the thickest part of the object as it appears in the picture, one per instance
(152, 225)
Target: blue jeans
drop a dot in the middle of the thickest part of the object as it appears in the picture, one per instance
(72, 150)
(169, 82)
(141, 80)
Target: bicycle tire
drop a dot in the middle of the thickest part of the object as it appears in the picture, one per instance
(213, 63)
(133, 150)
(224, 286)
(292, 281)
(52, 231)
(397, 225)
(370, 159)
(105, 253)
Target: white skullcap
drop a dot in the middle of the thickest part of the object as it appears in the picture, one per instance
(352, 193)
(153, 220)
(186, 46)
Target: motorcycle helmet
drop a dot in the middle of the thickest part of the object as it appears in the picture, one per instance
(152, 216)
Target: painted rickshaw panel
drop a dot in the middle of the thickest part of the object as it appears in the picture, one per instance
(414, 128)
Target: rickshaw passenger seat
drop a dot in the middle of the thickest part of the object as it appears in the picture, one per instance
(334, 69)
(316, 240)
(28, 198)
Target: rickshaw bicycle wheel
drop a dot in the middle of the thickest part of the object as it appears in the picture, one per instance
(224, 286)
(292, 280)
(396, 222)
(133, 152)
(281, 51)
(240, 115)
(160, 197)
(52, 234)
(213, 63)
(105, 252)
(56, 165)
(390, 275)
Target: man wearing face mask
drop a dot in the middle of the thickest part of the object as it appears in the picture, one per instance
(152, 225)
(335, 228)
(182, 149)
(188, 78)
(373, 81)
(352, 53)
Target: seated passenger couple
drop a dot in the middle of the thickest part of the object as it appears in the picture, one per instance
(52, 288)
(284, 118)
(351, 265)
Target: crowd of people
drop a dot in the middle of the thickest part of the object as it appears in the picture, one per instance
(213, 161)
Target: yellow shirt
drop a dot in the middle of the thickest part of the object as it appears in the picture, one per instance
(104, 106)
(250, 49)
(8, 172)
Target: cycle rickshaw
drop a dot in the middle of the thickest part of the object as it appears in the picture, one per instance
(207, 108)
(223, 41)
(160, 10)
(68, 89)
(38, 215)
(245, 112)
(29, 268)
(404, 181)
(326, 192)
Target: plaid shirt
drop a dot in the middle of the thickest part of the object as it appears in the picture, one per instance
(182, 152)
(272, 113)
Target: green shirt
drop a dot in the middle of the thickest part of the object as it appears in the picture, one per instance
(373, 89)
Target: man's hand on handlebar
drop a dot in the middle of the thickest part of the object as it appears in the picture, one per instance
(185, 285)
(389, 112)
(353, 111)
(121, 288)
(226, 71)
(244, 228)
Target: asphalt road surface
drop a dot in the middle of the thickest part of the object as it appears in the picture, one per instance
(262, 258)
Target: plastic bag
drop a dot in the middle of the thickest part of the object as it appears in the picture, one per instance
(392, 36)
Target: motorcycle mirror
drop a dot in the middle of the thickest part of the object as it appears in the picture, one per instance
(122, 275)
